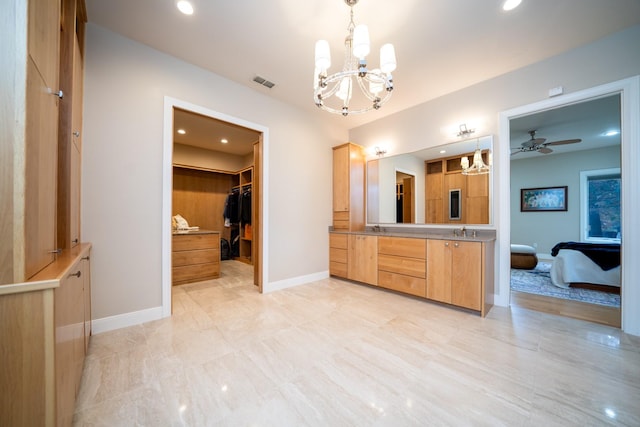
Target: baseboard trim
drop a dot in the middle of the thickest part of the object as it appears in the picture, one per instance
(119, 321)
(295, 281)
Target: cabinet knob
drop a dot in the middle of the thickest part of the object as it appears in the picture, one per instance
(78, 274)
(76, 133)
(59, 94)
(55, 251)
(456, 244)
(86, 258)
(74, 241)
(446, 243)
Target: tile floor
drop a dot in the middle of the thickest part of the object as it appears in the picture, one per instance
(333, 353)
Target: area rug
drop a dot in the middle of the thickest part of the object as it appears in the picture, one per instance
(538, 281)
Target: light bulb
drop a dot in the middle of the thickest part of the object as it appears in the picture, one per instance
(387, 58)
(376, 84)
(344, 92)
(323, 55)
(464, 162)
(361, 46)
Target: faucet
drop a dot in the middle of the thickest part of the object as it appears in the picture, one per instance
(463, 231)
(376, 228)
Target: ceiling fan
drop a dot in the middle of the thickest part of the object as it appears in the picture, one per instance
(539, 144)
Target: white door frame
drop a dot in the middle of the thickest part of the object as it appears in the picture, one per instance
(629, 89)
(167, 185)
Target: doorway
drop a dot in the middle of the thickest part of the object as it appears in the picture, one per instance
(630, 135)
(556, 147)
(259, 150)
(405, 197)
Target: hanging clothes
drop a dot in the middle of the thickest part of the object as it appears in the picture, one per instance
(231, 212)
(245, 206)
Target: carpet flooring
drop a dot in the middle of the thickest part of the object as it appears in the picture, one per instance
(538, 281)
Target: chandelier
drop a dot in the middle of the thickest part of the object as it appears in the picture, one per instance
(478, 167)
(355, 89)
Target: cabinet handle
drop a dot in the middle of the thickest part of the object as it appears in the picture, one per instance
(74, 241)
(55, 251)
(78, 274)
(86, 258)
(59, 94)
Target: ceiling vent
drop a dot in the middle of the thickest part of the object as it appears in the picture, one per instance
(263, 82)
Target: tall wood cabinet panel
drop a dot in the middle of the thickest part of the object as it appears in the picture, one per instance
(348, 187)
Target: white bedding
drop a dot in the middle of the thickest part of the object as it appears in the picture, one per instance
(571, 266)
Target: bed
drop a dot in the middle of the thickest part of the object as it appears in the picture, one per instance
(576, 264)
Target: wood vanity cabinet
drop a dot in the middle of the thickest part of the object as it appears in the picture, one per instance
(362, 264)
(195, 256)
(455, 272)
(338, 247)
(348, 187)
(402, 264)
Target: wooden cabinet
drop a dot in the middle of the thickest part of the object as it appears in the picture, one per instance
(338, 258)
(444, 175)
(44, 330)
(455, 273)
(402, 264)
(362, 258)
(348, 187)
(195, 256)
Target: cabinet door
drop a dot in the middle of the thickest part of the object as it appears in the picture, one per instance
(341, 179)
(40, 173)
(362, 263)
(69, 350)
(466, 274)
(439, 270)
(44, 39)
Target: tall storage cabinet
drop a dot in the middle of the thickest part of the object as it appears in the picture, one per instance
(348, 187)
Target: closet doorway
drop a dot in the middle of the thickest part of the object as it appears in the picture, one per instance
(211, 160)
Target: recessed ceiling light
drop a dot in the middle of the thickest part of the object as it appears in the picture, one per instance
(224, 140)
(443, 151)
(611, 132)
(182, 131)
(185, 7)
(510, 4)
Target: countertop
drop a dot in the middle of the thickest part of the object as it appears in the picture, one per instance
(482, 235)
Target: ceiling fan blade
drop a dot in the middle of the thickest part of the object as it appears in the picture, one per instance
(545, 150)
(563, 142)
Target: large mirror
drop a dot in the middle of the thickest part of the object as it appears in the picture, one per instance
(428, 187)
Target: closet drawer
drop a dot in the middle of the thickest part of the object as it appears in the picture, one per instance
(194, 273)
(185, 242)
(199, 256)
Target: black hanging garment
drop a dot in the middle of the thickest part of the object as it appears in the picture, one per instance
(231, 212)
(245, 206)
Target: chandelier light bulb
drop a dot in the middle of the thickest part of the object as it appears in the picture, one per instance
(464, 162)
(323, 55)
(361, 45)
(344, 92)
(375, 84)
(387, 58)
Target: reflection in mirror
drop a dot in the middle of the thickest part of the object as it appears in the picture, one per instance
(415, 187)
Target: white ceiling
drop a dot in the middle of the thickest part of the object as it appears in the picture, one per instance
(441, 45)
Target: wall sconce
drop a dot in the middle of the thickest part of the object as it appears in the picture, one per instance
(380, 152)
(464, 132)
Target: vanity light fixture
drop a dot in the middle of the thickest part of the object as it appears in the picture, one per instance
(464, 132)
(380, 152)
(368, 89)
(185, 7)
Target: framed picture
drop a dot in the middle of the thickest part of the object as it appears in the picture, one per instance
(543, 199)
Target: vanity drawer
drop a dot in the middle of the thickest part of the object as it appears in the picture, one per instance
(403, 247)
(338, 255)
(341, 220)
(409, 266)
(401, 283)
(338, 269)
(338, 241)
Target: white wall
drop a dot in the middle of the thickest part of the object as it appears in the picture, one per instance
(609, 59)
(545, 229)
(125, 86)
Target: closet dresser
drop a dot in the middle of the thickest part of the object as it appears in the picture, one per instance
(195, 256)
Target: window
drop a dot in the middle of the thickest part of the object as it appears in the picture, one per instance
(600, 205)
